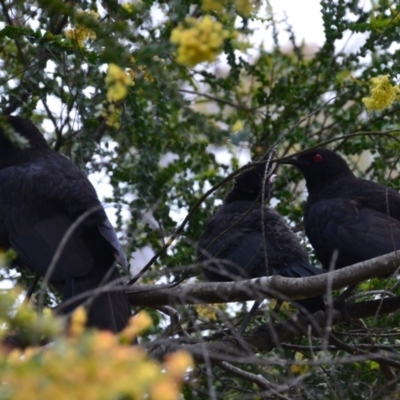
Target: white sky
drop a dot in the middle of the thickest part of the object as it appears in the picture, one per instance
(303, 15)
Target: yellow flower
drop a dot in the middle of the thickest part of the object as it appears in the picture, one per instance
(115, 73)
(81, 33)
(164, 390)
(217, 6)
(177, 363)
(118, 82)
(128, 7)
(141, 321)
(244, 7)
(383, 93)
(112, 120)
(117, 92)
(93, 366)
(204, 311)
(112, 115)
(237, 126)
(299, 369)
(137, 324)
(78, 321)
(198, 40)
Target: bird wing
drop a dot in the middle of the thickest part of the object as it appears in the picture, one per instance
(238, 238)
(381, 198)
(108, 233)
(39, 202)
(70, 187)
(298, 269)
(236, 254)
(371, 195)
(358, 233)
(35, 225)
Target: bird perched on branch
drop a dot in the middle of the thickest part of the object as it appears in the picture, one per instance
(42, 194)
(346, 219)
(245, 239)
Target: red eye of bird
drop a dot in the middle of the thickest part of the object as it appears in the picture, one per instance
(317, 158)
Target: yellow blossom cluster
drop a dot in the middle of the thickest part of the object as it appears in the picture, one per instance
(118, 81)
(198, 40)
(382, 93)
(81, 33)
(243, 7)
(92, 365)
(26, 325)
(140, 71)
(300, 368)
(112, 115)
(209, 311)
(128, 7)
(204, 311)
(214, 6)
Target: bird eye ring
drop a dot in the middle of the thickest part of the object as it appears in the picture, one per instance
(317, 158)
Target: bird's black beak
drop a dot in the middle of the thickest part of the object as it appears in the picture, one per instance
(292, 161)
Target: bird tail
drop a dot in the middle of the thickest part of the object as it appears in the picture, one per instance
(108, 310)
(303, 270)
(312, 304)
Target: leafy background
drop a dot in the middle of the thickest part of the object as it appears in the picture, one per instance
(154, 142)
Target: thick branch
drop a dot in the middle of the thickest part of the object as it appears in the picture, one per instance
(272, 286)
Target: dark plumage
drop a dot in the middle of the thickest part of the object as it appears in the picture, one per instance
(234, 244)
(41, 194)
(358, 218)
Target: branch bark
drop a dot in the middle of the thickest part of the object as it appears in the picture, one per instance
(271, 286)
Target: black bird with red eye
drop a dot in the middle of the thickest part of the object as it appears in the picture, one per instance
(355, 219)
(237, 240)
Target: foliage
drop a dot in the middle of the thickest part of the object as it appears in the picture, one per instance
(84, 363)
(107, 83)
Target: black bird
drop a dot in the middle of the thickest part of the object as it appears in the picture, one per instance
(41, 195)
(235, 240)
(354, 218)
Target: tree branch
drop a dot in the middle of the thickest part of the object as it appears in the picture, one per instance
(271, 286)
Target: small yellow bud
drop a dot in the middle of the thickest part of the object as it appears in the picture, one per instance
(78, 321)
(178, 363)
(237, 126)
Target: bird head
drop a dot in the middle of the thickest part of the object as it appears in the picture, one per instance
(250, 183)
(319, 166)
